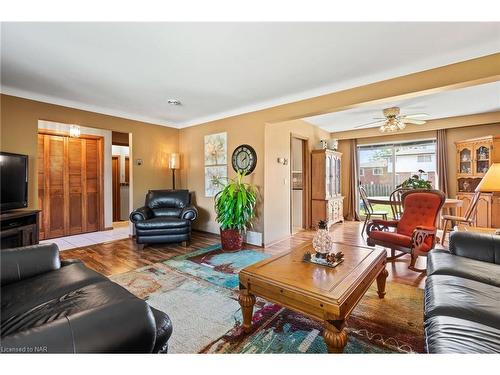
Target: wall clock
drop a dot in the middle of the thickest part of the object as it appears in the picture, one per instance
(244, 159)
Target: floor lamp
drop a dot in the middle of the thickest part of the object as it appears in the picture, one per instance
(173, 164)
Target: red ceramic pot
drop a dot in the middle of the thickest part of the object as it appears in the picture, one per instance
(231, 239)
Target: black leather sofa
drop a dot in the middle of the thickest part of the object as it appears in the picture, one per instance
(53, 306)
(165, 217)
(462, 295)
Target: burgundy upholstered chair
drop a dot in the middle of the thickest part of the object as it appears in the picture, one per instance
(415, 232)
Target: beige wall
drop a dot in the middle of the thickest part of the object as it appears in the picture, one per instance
(151, 143)
(247, 129)
(277, 176)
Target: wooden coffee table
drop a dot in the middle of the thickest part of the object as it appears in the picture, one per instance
(325, 294)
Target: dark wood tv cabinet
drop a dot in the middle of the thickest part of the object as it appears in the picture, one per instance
(19, 228)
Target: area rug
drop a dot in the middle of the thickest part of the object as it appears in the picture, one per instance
(391, 325)
(199, 292)
(216, 266)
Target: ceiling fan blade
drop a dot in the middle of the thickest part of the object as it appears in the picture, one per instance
(369, 123)
(411, 121)
(416, 115)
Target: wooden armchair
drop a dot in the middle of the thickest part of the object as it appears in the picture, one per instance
(468, 219)
(367, 206)
(397, 203)
(415, 232)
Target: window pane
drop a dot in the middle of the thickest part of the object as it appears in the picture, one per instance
(383, 167)
(413, 158)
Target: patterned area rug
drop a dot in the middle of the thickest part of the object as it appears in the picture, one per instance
(199, 293)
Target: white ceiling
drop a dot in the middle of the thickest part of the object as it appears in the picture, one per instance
(466, 101)
(219, 69)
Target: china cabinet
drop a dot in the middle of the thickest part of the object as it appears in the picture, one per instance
(474, 157)
(327, 201)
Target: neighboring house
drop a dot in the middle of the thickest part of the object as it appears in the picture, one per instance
(409, 160)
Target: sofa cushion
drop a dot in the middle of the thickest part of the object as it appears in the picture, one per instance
(115, 326)
(162, 223)
(23, 296)
(445, 334)
(441, 262)
(60, 303)
(163, 231)
(462, 298)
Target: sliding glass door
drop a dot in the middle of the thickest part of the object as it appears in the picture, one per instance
(383, 167)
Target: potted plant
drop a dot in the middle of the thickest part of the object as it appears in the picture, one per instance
(235, 209)
(415, 182)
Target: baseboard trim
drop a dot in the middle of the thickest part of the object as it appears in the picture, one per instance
(108, 228)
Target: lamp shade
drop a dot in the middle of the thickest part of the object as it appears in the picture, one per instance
(174, 161)
(491, 180)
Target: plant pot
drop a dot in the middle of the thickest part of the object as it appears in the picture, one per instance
(231, 239)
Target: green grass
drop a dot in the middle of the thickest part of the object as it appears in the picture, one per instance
(381, 207)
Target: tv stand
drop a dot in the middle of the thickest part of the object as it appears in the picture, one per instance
(19, 228)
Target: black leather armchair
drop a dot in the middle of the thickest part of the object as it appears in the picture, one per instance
(53, 306)
(165, 217)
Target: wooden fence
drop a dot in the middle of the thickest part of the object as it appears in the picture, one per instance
(378, 190)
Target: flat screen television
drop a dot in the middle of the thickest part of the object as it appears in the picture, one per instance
(14, 181)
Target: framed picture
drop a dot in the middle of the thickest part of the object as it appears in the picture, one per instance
(215, 179)
(216, 149)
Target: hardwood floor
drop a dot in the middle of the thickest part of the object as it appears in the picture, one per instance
(121, 256)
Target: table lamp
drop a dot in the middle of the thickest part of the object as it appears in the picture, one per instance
(490, 182)
(173, 164)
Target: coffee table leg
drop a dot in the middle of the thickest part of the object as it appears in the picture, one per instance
(382, 276)
(246, 301)
(335, 338)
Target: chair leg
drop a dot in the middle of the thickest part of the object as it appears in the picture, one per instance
(445, 226)
(394, 256)
(364, 224)
(412, 264)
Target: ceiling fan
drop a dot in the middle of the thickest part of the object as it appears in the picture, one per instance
(393, 121)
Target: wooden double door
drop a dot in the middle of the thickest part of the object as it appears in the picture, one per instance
(70, 185)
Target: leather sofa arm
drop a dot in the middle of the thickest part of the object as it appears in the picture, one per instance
(69, 262)
(479, 246)
(189, 213)
(142, 213)
(23, 262)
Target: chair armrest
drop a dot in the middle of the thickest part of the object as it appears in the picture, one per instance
(420, 235)
(386, 223)
(479, 246)
(142, 213)
(23, 262)
(189, 213)
(380, 225)
(426, 228)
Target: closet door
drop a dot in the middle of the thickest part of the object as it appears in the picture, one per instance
(75, 179)
(54, 175)
(41, 184)
(92, 172)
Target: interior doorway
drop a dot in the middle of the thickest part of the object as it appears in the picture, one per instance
(299, 184)
(120, 170)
